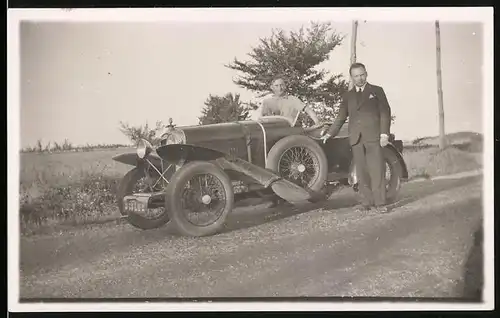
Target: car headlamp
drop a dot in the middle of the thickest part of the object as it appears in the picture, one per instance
(144, 148)
(173, 137)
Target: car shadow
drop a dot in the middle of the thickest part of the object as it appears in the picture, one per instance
(257, 215)
(473, 269)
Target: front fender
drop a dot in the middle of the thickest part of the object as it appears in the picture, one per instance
(178, 152)
(132, 159)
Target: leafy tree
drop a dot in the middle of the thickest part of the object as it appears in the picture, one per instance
(135, 133)
(296, 56)
(227, 108)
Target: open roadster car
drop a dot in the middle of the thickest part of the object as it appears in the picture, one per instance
(196, 174)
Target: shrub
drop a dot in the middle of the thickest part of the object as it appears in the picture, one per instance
(92, 198)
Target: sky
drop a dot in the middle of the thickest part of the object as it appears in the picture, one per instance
(80, 79)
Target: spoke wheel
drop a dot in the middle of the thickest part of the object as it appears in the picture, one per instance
(299, 165)
(137, 181)
(199, 198)
(203, 199)
(301, 160)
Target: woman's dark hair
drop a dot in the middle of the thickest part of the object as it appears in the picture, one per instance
(356, 65)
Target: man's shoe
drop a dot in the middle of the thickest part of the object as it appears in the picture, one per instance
(363, 208)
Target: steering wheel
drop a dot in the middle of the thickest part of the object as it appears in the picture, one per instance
(313, 131)
(316, 131)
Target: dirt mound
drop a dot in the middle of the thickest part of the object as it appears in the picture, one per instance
(433, 162)
(450, 160)
(453, 138)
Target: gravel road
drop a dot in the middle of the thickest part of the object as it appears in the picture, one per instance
(422, 248)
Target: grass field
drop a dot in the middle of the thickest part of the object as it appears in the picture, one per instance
(79, 187)
(68, 187)
(63, 168)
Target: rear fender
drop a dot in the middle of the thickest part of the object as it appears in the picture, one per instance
(401, 161)
(185, 153)
(132, 159)
(353, 179)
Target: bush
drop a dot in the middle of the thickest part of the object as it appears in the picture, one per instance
(92, 198)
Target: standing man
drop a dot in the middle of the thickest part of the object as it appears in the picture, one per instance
(369, 126)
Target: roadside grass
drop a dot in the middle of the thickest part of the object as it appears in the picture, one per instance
(68, 188)
(90, 200)
(73, 188)
(66, 146)
(424, 159)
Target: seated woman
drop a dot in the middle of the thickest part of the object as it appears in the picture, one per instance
(285, 105)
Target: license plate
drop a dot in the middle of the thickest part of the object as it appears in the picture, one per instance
(135, 206)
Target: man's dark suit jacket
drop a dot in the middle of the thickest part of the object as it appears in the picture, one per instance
(368, 119)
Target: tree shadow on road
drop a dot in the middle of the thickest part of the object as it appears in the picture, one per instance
(473, 269)
(420, 190)
(411, 192)
(42, 253)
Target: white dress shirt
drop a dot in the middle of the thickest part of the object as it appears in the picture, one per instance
(362, 88)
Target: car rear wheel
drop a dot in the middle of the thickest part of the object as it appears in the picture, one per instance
(199, 199)
(135, 182)
(300, 160)
(393, 174)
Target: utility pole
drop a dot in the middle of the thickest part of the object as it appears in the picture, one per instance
(442, 140)
(353, 47)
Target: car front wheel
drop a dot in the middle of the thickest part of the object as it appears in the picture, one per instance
(199, 198)
(135, 181)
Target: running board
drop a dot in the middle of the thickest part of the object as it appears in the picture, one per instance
(293, 193)
(285, 189)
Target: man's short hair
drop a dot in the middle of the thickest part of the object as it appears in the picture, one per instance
(279, 77)
(356, 65)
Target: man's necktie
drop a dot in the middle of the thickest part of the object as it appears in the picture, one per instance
(358, 96)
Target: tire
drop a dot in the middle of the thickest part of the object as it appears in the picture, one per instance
(125, 188)
(176, 194)
(276, 155)
(394, 184)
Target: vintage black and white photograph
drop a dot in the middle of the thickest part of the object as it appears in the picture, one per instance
(310, 155)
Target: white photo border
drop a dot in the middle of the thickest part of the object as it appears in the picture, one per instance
(393, 14)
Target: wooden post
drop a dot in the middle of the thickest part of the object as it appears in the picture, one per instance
(442, 140)
(353, 48)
